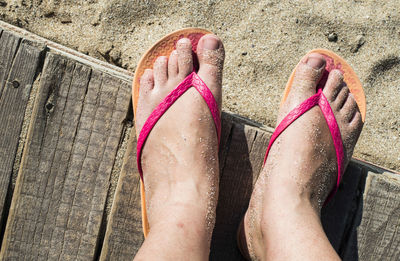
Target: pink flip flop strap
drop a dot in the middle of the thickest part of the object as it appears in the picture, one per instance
(192, 80)
(320, 100)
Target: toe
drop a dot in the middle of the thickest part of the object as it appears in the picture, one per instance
(351, 133)
(333, 85)
(173, 64)
(144, 105)
(356, 121)
(160, 71)
(349, 108)
(185, 59)
(309, 72)
(211, 54)
(341, 98)
(146, 82)
(306, 77)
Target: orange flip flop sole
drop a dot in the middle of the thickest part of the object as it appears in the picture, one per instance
(163, 47)
(334, 61)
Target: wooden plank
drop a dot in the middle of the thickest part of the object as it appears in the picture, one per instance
(15, 94)
(124, 234)
(8, 47)
(106, 67)
(239, 172)
(379, 231)
(59, 199)
(339, 215)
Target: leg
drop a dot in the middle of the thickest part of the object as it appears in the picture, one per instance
(180, 157)
(283, 219)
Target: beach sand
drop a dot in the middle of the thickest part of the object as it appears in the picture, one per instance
(263, 40)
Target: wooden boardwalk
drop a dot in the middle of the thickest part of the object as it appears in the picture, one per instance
(69, 188)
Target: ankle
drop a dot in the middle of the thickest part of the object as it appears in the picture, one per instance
(288, 199)
(293, 192)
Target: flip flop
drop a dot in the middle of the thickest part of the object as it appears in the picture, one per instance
(164, 47)
(333, 61)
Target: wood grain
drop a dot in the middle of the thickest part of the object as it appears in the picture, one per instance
(8, 47)
(239, 172)
(17, 74)
(124, 234)
(59, 199)
(379, 231)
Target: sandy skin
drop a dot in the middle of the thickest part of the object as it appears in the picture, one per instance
(283, 219)
(182, 187)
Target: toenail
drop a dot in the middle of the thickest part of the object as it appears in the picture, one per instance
(338, 73)
(161, 59)
(211, 43)
(184, 41)
(315, 63)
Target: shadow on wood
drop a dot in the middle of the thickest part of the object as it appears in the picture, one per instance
(241, 155)
(340, 215)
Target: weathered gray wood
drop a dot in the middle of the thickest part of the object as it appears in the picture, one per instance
(124, 234)
(379, 232)
(8, 46)
(15, 94)
(59, 199)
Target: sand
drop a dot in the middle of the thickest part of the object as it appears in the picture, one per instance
(264, 40)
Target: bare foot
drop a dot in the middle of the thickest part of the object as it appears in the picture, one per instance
(283, 219)
(180, 157)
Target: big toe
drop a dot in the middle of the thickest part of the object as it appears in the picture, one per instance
(306, 77)
(211, 54)
(309, 72)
